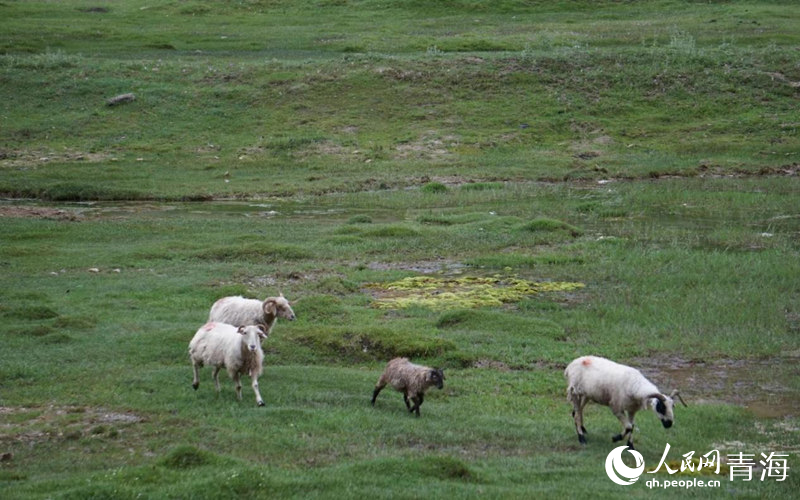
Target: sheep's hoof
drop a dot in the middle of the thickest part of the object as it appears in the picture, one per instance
(616, 438)
(582, 439)
(260, 403)
(195, 385)
(630, 445)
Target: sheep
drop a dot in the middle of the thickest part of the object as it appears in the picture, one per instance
(621, 388)
(410, 379)
(238, 349)
(239, 311)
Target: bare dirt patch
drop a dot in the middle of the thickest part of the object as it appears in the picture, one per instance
(763, 386)
(31, 425)
(429, 146)
(21, 211)
(23, 158)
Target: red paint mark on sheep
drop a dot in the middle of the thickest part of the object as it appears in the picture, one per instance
(586, 361)
(209, 326)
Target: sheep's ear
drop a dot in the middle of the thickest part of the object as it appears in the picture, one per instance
(678, 394)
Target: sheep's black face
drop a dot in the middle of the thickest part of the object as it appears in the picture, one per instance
(437, 377)
(664, 411)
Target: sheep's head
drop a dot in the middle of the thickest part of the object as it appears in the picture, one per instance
(279, 307)
(436, 377)
(664, 407)
(252, 336)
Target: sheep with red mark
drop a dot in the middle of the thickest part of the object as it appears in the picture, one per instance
(237, 349)
(240, 311)
(410, 379)
(622, 388)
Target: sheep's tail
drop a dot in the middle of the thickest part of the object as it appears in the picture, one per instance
(572, 394)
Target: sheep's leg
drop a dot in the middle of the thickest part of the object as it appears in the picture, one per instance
(631, 415)
(627, 426)
(378, 388)
(196, 380)
(216, 377)
(405, 400)
(417, 400)
(578, 404)
(259, 401)
(237, 378)
(584, 402)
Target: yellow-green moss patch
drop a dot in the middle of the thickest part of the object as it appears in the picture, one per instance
(461, 293)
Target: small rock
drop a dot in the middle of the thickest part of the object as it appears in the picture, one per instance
(121, 99)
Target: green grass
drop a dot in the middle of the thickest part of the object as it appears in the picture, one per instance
(328, 149)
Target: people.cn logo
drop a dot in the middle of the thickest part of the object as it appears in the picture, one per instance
(619, 472)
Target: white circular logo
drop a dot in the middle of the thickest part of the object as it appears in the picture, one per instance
(619, 472)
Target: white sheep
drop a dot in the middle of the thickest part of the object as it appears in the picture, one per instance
(410, 379)
(622, 388)
(239, 311)
(238, 349)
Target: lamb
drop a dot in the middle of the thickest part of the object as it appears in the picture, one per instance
(239, 311)
(410, 379)
(621, 388)
(238, 349)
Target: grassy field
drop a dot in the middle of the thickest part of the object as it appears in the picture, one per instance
(631, 167)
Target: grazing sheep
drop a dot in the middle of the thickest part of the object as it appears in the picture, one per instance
(238, 349)
(239, 311)
(410, 379)
(622, 388)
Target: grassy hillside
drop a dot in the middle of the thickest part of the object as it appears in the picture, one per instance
(277, 101)
(494, 188)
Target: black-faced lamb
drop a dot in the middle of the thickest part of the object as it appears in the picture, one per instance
(622, 388)
(240, 311)
(237, 349)
(410, 379)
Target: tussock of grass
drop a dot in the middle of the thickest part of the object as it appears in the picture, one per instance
(31, 313)
(374, 343)
(360, 219)
(482, 186)
(255, 251)
(433, 188)
(34, 331)
(75, 322)
(523, 261)
(392, 231)
(545, 224)
(185, 457)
